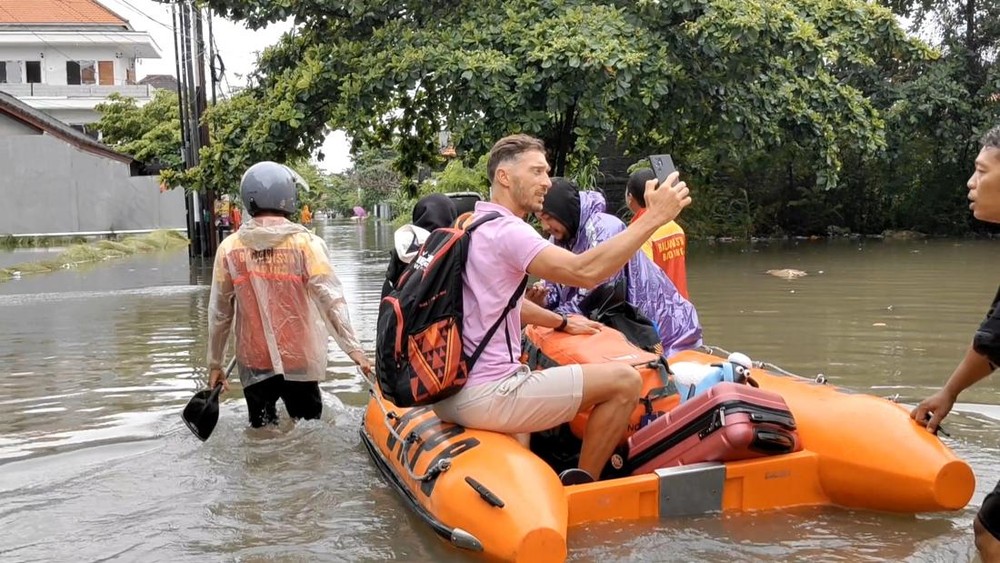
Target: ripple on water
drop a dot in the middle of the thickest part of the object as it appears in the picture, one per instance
(96, 463)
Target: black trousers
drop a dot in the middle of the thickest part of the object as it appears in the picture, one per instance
(989, 512)
(302, 400)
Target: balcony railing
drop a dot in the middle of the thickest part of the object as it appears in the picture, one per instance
(76, 90)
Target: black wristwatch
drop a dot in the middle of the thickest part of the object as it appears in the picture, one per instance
(565, 321)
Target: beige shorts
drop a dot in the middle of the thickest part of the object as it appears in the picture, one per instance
(525, 401)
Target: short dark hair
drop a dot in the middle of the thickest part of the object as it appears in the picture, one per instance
(992, 138)
(511, 147)
(637, 184)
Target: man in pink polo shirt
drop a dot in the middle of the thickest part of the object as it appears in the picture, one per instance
(502, 394)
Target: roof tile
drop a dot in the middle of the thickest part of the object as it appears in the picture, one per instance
(70, 12)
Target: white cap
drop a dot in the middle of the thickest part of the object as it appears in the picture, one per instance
(408, 239)
(741, 359)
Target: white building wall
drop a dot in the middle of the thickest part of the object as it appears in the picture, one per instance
(54, 60)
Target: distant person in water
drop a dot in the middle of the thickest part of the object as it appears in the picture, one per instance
(983, 355)
(273, 284)
(431, 212)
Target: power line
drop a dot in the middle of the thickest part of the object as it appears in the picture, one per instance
(144, 14)
(66, 4)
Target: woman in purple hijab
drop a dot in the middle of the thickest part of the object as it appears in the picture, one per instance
(577, 221)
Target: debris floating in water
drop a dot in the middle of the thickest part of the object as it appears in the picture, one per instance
(787, 273)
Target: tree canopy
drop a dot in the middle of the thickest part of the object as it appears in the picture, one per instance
(151, 133)
(788, 115)
(744, 74)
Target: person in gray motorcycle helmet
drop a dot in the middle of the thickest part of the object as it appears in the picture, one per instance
(269, 186)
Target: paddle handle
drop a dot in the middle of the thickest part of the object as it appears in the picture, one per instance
(218, 385)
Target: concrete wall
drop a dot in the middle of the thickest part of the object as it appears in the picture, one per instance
(11, 127)
(50, 186)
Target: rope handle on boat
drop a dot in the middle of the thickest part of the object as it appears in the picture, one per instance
(432, 472)
(719, 351)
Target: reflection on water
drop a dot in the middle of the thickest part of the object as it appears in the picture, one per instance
(96, 364)
(15, 256)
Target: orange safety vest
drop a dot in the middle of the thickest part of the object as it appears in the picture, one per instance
(667, 248)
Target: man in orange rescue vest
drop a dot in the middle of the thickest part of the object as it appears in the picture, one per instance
(285, 291)
(668, 245)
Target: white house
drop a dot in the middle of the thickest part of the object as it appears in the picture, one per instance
(64, 57)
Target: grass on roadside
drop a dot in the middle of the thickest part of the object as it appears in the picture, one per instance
(83, 253)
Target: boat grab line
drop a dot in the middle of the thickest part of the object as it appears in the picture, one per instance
(719, 351)
(438, 468)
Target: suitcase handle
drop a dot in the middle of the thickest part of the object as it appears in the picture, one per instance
(782, 421)
(772, 442)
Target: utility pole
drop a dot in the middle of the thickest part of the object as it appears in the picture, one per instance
(203, 137)
(189, 49)
(182, 97)
(190, 125)
(212, 55)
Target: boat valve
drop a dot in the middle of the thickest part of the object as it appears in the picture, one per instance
(440, 467)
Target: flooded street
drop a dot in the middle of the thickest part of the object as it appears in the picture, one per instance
(96, 364)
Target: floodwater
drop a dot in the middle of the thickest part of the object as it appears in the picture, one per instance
(16, 256)
(96, 364)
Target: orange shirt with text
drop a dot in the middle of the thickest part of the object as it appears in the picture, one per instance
(667, 248)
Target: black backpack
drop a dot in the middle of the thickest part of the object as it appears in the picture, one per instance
(419, 358)
(607, 304)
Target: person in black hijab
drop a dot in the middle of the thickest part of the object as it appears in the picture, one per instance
(562, 202)
(434, 211)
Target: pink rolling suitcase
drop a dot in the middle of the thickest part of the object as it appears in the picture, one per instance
(729, 422)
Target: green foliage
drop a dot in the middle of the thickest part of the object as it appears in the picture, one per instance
(784, 115)
(151, 134)
(376, 182)
(456, 177)
(342, 197)
(759, 73)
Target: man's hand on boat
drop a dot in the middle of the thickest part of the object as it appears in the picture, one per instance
(217, 376)
(581, 325)
(933, 409)
(364, 364)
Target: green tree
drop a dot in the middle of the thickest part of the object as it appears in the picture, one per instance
(456, 177)
(748, 75)
(151, 133)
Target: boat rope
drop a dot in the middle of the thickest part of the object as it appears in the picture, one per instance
(442, 465)
(722, 352)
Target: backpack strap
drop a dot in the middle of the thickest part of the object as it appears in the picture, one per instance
(475, 224)
(511, 303)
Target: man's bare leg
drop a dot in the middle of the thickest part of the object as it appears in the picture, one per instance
(613, 390)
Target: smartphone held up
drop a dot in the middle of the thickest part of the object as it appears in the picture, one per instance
(663, 166)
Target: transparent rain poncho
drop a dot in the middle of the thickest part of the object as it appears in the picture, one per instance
(273, 283)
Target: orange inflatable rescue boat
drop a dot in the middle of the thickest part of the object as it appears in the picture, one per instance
(486, 492)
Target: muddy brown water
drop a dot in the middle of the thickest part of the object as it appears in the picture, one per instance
(97, 362)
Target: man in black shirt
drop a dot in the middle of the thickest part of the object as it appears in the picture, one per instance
(983, 356)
